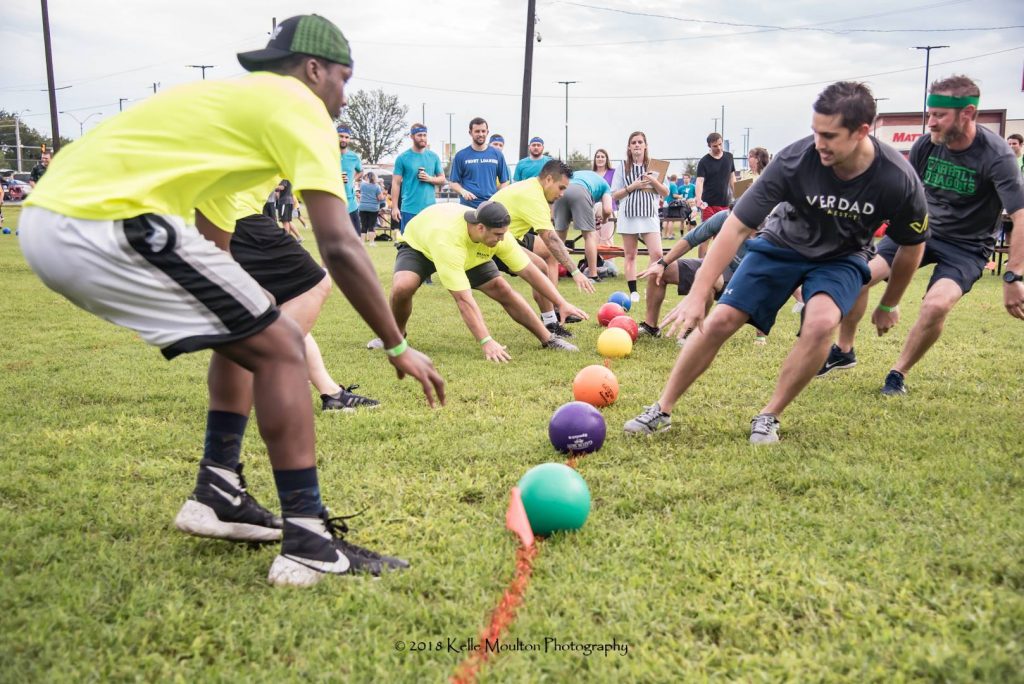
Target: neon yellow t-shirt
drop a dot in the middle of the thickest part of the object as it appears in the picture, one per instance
(526, 205)
(439, 232)
(176, 150)
(224, 211)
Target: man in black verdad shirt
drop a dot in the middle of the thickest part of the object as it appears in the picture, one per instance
(824, 196)
(970, 174)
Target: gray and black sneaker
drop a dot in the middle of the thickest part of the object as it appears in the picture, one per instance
(648, 330)
(316, 546)
(559, 330)
(651, 421)
(764, 429)
(573, 318)
(558, 343)
(894, 385)
(838, 360)
(221, 508)
(347, 401)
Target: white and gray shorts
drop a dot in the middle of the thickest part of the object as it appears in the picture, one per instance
(152, 274)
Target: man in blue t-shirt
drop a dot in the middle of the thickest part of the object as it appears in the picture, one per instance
(478, 170)
(417, 172)
(351, 173)
(529, 167)
(687, 190)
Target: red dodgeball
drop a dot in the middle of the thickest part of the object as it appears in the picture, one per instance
(608, 311)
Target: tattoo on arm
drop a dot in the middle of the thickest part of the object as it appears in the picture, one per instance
(558, 250)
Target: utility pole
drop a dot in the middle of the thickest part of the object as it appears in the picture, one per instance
(567, 84)
(81, 122)
(874, 124)
(423, 113)
(54, 125)
(715, 119)
(927, 61)
(120, 103)
(17, 135)
(204, 67)
(723, 125)
(746, 141)
(155, 86)
(524, 115)
(450, 141)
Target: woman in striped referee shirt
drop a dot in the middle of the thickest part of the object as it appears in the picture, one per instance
(637, 191)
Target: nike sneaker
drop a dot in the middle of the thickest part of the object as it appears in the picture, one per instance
(220, 507)
(838, 360)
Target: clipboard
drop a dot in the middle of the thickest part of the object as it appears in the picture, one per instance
(659, 167)
(741, 186)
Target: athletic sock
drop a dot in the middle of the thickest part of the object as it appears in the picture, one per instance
(299, 491)
(631, 284)
(548, 317)
(224, 432)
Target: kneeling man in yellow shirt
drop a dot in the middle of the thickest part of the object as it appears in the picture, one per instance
(459, 246)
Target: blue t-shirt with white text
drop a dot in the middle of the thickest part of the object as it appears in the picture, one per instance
(479, 173)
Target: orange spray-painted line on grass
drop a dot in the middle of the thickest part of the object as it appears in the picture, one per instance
(505, 613)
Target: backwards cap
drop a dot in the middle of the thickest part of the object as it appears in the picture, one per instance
(307, 34)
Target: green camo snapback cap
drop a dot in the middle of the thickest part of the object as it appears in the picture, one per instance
(307, 34)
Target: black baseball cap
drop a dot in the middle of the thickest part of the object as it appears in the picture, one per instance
(307, 34)
(491, 214)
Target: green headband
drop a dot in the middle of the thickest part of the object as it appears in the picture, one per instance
(950, 102)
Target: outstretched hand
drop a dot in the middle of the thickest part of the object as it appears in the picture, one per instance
(687, 316)
(418, 365)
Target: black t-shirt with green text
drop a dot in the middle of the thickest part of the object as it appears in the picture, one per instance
(967, 190)
(821, 217)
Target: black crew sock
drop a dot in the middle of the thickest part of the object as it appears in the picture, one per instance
(299, 491)
(224, 432)
(631, 284)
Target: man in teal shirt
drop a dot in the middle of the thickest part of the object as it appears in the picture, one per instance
(417, 172)
(351, 172)
(529, 167)
(586, 191)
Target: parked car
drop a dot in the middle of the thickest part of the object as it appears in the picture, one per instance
(14, 190)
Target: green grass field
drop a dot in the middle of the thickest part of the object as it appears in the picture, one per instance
(882, 540)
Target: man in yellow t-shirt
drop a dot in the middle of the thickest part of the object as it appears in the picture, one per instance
(109, 227)
(529, 204)
(460, 246)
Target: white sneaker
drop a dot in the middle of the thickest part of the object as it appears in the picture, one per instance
(375, 343)
(634, 297)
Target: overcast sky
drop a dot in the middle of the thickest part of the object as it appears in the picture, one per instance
(664, 67)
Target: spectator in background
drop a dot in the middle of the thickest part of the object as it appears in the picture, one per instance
(530, 166)
(270, 206)
(370, 196)
(638, 190)
(715, 178)
(673, 213)
(351, 173)
(498, 142)
(602, 167)
(417, 172)
(687, 190)
(478, 170)
(39, 169)
(757, 159)
(1016, 141)
(286, 207)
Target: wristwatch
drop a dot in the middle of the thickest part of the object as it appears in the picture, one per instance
(661, 262)
(1011, 277)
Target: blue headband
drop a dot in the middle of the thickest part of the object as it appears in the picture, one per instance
(418, 129)
(497, 138)
(536, 139)
(344, 129)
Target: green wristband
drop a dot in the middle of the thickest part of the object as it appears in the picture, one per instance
(486, 340)
(399, 348)
(888, 309)
(573, 274)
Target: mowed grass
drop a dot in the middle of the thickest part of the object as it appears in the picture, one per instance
(880, 541)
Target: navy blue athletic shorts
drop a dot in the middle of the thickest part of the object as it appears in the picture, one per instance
(961, 264)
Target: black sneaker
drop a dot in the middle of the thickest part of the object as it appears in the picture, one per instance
(559, 330)
(346, 400)
(221, 508)
(894, 385)
(315, 546)
(573, 318)
(594, 278)
(838, 360)
(648, 330)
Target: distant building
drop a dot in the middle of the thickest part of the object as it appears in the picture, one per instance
(901, 129)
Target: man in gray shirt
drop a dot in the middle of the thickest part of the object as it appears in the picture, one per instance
(969, 176)
(832, 190)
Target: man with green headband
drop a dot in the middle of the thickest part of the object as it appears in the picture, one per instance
(111, 228)
(970, 176)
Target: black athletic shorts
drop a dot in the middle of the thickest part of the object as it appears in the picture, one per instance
(273, 258)
(962, 264)
(286, 212)
(688, 272)
(527, 240)
(411, 259)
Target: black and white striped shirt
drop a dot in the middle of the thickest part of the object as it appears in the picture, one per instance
(639, 203)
